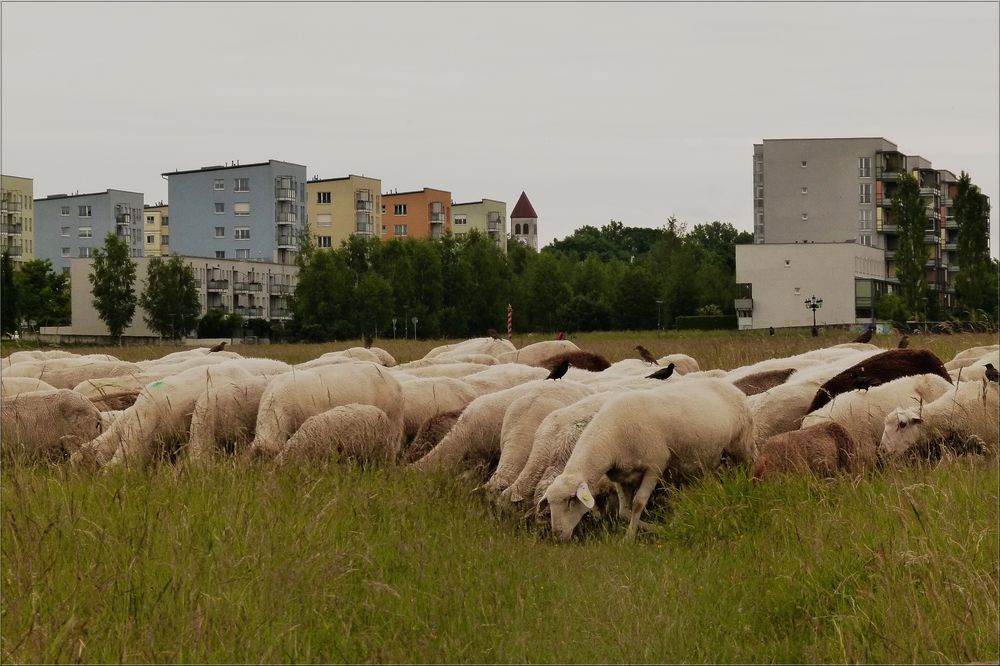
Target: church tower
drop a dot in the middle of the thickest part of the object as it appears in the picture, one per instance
(524, 222)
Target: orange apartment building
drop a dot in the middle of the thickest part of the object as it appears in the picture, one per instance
(423, 213)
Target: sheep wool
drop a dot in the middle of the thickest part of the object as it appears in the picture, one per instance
(224, 416)
(426, 397)
(823, 449)
(47, 425)
(537, 354)
(10, 386)
(353, 433)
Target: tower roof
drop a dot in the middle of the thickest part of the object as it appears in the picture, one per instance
(523, 208)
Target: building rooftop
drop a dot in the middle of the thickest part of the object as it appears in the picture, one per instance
(221, 167)
(523, 208)
(353, 175)
(426, 189)
(83, 194)
(481, 201)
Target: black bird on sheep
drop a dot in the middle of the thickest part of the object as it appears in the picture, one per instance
(904, 342)
(368, 342)
(559, 370)
(217, 348)
(863, 383)
(866, 337)
(992, 373)
(645, 355)
(493, 333)
(663, 373)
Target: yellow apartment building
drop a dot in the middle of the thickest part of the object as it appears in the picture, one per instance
(156, 230)
(17, 218)
(339, 207)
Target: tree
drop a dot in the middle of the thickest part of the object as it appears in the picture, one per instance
(170, 298)
(975, 284)
(113, 285)
(43, 294)
(910, 214)
(9, 312)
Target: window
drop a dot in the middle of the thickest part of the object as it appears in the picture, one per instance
(85, 252)
(383, 209)
(65, 252)
(805, 190)
(865, 193)
(866, 239)
(150, 240)
(324, 241)
(84, 211)
(323, 220)
(241, 185)
(241, 209)
(243, 254)
(220, 232)
(220, 184)
(399, 209)
(220, 254)
(64, 211)
(220, 208)
(399, 229)
(86, 232)
(242, 233)
(760, 193)
(804, 164)
(864, 167)
(805, 216)
(64, 231)
(323, 197)
(461, 219)
(864, 219)
(150, 219)
(164, 240)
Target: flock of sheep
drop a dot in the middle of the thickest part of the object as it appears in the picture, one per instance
(601, 436)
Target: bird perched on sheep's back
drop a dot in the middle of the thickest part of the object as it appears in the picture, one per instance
(217, 348)
(861, 382)
(663, 373)
(992, 373)
(559, 370)
(368, 342)
(904, 342)
(866, 337)
(645, 355)
(492, 332)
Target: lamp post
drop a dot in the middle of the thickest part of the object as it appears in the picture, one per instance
(658, 304)
(814, 304)
(394, 328)
(414, 320)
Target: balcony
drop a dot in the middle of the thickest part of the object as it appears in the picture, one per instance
(890, 254)
(280, 289)
(256, 312)
(437, 218)
(13, 249)
(285, 193)
(287, 242)
(930, 192)
(11, 229)
(947, 202)
(218, 285)
(950, 223)
(953, 268)
(247, 287)
(219, 308)
(362, 206)
(951, 247)
(744, 303)
(933, 213)
(286, 217)
(280, 313)
(931, 238)
(889, 229)
(364, 229)
(11, 206)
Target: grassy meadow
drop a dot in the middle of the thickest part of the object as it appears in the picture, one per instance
(247, 563)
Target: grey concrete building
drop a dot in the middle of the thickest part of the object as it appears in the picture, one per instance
(252, 289)
(240, 211)
(71, 225)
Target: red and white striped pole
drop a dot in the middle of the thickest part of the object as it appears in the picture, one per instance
(510, 322)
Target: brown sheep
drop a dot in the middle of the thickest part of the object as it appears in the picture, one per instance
(759, 382)
(430, 433)
(823, 449)
(883, 368)
(584, 360)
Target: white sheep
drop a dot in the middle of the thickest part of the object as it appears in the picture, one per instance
(535, 354)
(459, 357)
(454, 370)
(295, 396)
(975, 371)
(56, 368)
(47, 425)
(42, 355)
(491, 346)
(683, 364)
(354, 433)
(225, 415)
(520, 421)
(962, 415)
(636, 437)
(500, 377)
(969, 356)
(781, 408)
(426, 397)
(15, 385)
(862, 413)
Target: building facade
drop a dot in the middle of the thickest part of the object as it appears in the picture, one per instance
(488, 216)
(252, 289)
(423, 213)
(774, 280)
(71, 226)
(244, 212)
(156, 230)
(17, 218)
(339, 207)
(524, 222)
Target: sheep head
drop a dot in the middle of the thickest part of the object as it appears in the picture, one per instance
(569, 498)
(902, 431)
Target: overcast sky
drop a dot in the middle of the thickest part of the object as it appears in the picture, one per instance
(599, 111)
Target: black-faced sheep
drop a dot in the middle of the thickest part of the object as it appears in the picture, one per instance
(822, 449)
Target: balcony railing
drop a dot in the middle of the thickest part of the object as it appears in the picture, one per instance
(889, 229)
(13, 250)
(951, 246)
(287, 241)
(12, 229)
(933, 213)
(246, 287)
(286, 217)
(953, 268)
(930, 192)
(253, 311)
(218, 308)
(947, 202)
(890, 254)
(285, 193)
(362, 206)
(218, 285)
(11, 206)
(363, 229)
(437, 218)
(744, 303)
(950, 223)
(280, 313)
(281, 289)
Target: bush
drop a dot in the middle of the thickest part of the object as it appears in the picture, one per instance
(706, 322)
(892, 307)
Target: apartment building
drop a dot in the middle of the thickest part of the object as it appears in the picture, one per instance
(252, 289)
(238, 211)
(524, 222)
(489, 216)
(339, 207)
(156, 230)
(839, 190)
(422, 213)
(72, 225)
(17, 216)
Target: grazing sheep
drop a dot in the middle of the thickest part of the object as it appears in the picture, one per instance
(961, 417)
(424, 398)
(353, 433)
(110, 402)
(384, 358)
(781, 409)
(763, 381)
(192, 361)
(96, 389)
(488, 345)
(823, 449)
(293, 397)
(636, 437)
(430, 433)
(47, 425)
(505, 376)
(452, 357)
(453, 370)
(884, 367)
(969, 356)
(40, 355)
(61, 370)
(683, 364)
(15, 385)
(224, 416)
(535, 354)
(862, 413)
(584, 360)
(109, 417)
(520, 421)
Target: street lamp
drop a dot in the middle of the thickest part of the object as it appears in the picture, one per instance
(414, 320)
(814, 304)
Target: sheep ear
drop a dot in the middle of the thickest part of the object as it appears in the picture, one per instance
(515, 497)
(584, 495)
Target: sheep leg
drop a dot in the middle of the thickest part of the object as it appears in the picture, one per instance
(624, 500)
(639, 501)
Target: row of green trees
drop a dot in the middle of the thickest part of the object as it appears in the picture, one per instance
(33, 293)
(612, 277)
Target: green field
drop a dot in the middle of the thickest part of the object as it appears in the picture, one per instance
(249, 563)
